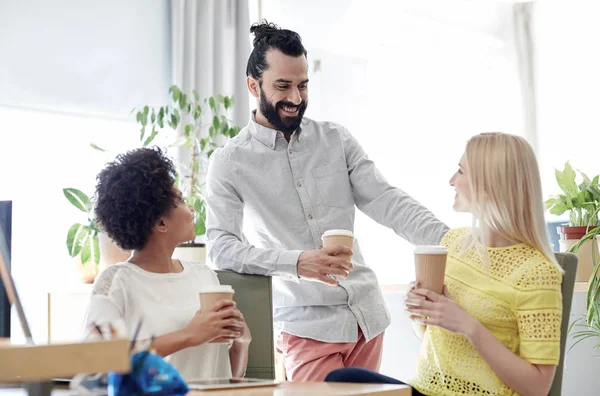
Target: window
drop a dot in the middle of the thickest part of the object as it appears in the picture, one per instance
(567, 83)
(44, 153)
(412, 81)
(70, 81)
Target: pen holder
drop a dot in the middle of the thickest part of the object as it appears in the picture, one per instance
(150, 375)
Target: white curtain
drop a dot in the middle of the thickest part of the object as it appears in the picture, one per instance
(210, 48)
(525, 55)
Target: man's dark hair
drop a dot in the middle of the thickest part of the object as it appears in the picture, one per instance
(132, 193)
(269, 36)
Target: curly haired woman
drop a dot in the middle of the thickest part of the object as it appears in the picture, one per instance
(140, 207)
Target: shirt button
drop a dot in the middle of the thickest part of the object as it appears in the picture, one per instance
(299, 185)
(290, 151)
(320, 246)
(350, 302)
(310, 217)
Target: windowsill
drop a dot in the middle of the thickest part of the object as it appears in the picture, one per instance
(71, 288)
(581, 286)
(394, 288)
(403, 288)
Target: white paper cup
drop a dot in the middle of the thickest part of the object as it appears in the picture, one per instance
(210, 295)
(339, 237)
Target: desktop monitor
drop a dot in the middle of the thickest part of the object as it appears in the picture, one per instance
(6, 232)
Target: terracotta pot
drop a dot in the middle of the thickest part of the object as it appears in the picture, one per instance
(569, 236)
(110, 253)
(86, 272)
(573, 232)
(191, 252)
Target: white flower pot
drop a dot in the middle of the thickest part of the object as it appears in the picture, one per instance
(110, 253)
(191, 252)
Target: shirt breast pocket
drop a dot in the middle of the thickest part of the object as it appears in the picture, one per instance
(333, 185)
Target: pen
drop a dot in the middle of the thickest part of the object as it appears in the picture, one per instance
(135, 335)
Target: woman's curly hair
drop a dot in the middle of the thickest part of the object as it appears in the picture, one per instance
(132, 193)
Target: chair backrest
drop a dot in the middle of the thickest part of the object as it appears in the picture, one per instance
(253, 296)
(569, 263)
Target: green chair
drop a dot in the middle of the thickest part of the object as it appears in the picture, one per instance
(253, 296)
(569, 263)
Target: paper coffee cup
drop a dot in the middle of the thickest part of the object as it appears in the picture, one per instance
(430, 266)
(210, 295)
(339, 237)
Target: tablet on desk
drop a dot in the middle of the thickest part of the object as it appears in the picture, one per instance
(228, 383)
(61, 381)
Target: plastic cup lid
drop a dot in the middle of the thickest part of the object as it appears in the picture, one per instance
(217, 289)
(431, 249)
(337, 232)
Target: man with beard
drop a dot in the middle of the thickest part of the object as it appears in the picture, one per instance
(273, 191)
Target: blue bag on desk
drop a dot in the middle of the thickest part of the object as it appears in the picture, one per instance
(150, 375)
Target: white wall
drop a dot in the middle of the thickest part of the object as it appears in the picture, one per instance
(86, 56)
(70, 72)
(568, 86)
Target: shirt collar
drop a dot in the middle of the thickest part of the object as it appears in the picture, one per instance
(267, 136)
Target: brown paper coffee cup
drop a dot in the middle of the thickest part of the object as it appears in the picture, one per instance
(210, 295)
(339, 237)
(430, 266)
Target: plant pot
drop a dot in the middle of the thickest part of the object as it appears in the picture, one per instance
(574, 232)
(86, 272)
(569, 236)
(191, 252)
(110, 253)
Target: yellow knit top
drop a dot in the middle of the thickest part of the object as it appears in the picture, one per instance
(515, 294)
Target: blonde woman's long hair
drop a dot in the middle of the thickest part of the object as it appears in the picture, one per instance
(506, 191)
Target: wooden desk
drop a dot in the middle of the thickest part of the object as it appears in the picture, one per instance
(285, 389)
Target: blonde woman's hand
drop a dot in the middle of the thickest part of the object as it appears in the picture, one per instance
(413, 299)
(430, 308)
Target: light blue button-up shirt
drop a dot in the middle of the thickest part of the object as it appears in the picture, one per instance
(269, 200)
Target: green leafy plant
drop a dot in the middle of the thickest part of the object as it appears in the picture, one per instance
(202, 132)
(588, 325)
(580, 200)
(82, 239)
(204, 127)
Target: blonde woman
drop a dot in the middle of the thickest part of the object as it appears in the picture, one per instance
(495, 329)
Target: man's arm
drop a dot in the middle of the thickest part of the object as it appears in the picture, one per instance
(386, 204)
(228, 248)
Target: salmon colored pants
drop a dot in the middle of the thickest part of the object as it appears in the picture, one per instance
(306, 359)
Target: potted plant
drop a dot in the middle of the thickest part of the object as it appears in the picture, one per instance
(582, 201)
(588, 326)
(90, 248)
(203, 126)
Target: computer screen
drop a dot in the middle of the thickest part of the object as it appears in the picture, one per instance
(6, 225)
